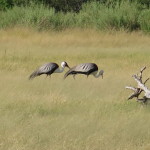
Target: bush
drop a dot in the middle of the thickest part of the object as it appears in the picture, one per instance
(66, 5)
(124, 15)
(4, 4)
(37, 16)
(12, 17)
(144, 20)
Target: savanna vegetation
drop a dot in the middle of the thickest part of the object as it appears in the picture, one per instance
(100, 15)
(82, 114)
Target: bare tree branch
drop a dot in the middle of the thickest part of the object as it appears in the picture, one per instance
(146, 80)
(131, 88)
(140, 88)
(141, 71)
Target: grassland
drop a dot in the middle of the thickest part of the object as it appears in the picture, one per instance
(81, 114)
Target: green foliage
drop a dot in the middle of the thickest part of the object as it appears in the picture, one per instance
(59, 5)
(144, 20)
(66, 5)
(4, 4)
(122, 15)
(12, 17)
(21, 2)
(119, 15)
(146, 3)
(37, 16)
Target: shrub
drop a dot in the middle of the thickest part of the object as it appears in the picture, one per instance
(12, 17)
(122, 15)
(4, 4)
(144, 20)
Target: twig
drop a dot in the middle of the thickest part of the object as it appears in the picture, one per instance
(131, 88)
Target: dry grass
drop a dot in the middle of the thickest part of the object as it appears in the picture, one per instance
(85, 114)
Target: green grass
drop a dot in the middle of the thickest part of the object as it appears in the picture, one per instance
(81, 114)
(121, 16)
(144, 20)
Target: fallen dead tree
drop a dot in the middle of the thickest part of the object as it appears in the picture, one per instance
(140, 88)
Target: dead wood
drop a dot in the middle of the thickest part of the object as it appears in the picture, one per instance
(140, 88)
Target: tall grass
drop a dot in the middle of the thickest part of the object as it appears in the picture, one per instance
(82, 114)
(144, 20)
(124, 15)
